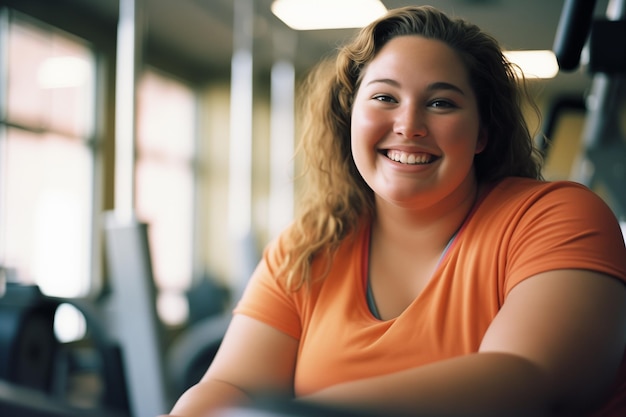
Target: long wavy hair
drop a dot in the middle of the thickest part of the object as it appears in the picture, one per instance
(336, 199)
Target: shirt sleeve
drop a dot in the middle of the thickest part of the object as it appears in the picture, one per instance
(265, 297)
(565, 226)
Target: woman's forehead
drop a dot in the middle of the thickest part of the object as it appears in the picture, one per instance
(416, 56)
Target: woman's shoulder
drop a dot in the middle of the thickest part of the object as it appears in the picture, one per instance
(551, 224)
(291, 235)
(288, 243)
(532, 185)
(528, 200)
(517, 190)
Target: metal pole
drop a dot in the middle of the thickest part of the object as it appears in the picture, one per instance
(282, 132)
(128, 60)
(240, 161)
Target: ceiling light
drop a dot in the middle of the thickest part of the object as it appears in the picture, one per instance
(534, 64)
(327, 14)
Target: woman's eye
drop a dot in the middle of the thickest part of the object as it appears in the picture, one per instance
(384, 98)
(442, 104)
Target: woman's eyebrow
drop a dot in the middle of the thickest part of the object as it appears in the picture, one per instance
(385, 81)
(439, 85)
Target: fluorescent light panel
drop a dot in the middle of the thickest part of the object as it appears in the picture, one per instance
(534, 64)
(327, 14)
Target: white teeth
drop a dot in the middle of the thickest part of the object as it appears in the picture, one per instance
(408, 158)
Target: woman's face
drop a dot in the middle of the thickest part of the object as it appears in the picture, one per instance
(415, 125)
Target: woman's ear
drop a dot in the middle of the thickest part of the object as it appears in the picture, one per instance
(481, 143)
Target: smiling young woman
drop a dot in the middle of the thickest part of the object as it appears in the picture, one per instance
(431, 271)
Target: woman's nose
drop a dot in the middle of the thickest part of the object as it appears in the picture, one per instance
(410, 122)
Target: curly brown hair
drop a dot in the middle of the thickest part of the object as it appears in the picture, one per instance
(336, 199)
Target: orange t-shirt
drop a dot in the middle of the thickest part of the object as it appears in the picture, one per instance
(519, 228)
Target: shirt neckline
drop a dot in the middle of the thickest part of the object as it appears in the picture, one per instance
(369, 296)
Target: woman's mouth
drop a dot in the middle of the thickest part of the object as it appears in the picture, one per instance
(419, 158)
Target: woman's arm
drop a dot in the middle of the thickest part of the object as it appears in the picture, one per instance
(554, 347)
(253, 359)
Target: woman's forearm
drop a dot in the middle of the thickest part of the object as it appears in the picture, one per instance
(207, 396)
(482, 384)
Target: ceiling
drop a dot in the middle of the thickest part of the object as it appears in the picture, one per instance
(200, 31)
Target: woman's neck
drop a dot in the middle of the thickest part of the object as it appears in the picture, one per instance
(429, 227)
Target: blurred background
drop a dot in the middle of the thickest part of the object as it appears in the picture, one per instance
(146, 158)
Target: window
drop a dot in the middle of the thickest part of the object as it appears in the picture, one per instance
(47, 161)
(46, 158)
(165, 185)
